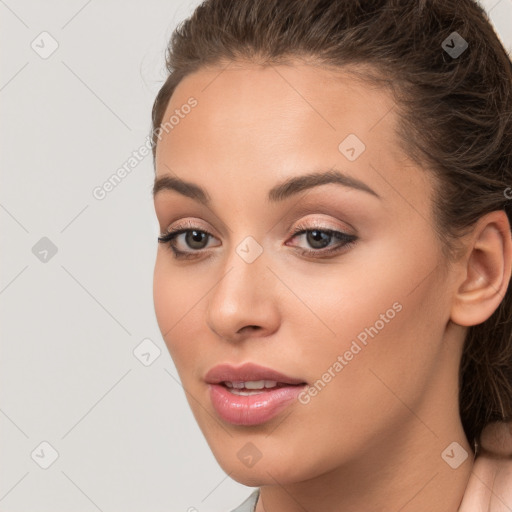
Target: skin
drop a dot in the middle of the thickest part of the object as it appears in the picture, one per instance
(372, 439)
(490, 484)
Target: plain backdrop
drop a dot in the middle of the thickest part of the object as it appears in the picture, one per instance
(85, 424)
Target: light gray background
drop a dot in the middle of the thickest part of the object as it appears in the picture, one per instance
(124, 433)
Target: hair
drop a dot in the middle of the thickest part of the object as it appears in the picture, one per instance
(454, 117)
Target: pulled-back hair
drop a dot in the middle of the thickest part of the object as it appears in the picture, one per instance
(454, 113)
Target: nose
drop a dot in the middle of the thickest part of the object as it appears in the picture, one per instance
(243, 303)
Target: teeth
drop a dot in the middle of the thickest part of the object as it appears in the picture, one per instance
(251, 384)
(258, 384)
(245, 393)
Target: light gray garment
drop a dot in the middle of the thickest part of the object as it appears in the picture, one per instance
(249, 504)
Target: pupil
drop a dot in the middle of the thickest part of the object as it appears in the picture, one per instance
(316, 238)
(196, 237)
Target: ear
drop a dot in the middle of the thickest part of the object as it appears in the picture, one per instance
(485, 270)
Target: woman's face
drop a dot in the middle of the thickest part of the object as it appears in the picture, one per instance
(355, 324)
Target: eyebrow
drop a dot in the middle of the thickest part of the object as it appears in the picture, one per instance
(280, 192)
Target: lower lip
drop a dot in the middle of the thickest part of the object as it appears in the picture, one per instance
(252, 409)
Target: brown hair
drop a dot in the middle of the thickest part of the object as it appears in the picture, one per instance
(455, 117)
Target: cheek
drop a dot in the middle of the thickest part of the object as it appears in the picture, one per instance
(338, 303)
(385, 321)
(163, 296)
(179, 310)
(170, 301)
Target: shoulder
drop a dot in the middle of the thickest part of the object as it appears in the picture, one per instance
(249, 504)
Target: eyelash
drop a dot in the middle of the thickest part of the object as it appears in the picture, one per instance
(346, 240)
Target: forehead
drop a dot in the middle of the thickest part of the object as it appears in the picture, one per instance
(269, 107)
(264, 124)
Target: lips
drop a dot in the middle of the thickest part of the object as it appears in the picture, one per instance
(250, 394)
(248, 372)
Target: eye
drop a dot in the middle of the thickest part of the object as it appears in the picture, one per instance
(318, 237)
(195, 238)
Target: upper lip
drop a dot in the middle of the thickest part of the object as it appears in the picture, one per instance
(246, 372)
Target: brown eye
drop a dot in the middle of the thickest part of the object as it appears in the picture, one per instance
(195, 239)
(319, 238)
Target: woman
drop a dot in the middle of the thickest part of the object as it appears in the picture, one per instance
(333, 270)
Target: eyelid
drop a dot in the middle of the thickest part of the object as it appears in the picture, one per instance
(291, 230)
(319, 211)
(324, 222)
(189, 224)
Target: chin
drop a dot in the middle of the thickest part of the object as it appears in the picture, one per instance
(277, 466)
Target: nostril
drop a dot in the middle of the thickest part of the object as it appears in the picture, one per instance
(252, 327)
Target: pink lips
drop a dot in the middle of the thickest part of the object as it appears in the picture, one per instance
(258, 407)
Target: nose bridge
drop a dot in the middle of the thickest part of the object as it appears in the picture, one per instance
(243, 295)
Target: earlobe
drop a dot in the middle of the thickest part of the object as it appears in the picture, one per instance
(486, 272)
